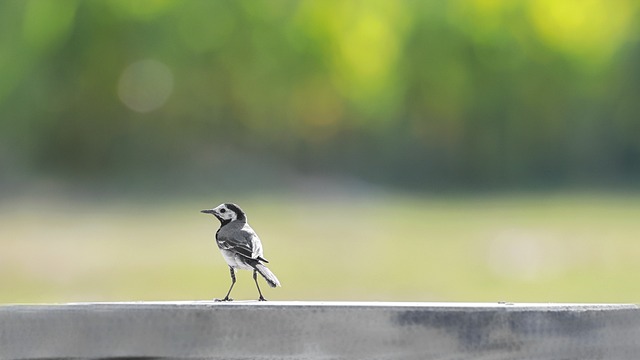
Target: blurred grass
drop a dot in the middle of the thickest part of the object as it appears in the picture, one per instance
(568, 247)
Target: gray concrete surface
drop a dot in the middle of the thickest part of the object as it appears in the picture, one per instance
(319, 330)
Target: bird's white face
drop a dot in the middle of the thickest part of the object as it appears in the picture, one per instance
(222, 212)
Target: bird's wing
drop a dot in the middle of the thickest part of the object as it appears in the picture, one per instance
(256, 244)
(246, 243)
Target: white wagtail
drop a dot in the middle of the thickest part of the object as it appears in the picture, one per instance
(240, 246)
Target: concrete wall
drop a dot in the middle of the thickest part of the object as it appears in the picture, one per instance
(318, 330)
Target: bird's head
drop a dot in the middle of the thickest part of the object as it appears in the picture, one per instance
(226, 213)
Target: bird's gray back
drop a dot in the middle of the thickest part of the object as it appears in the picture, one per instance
(238, 236)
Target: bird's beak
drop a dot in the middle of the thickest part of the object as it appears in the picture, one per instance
(210, 211)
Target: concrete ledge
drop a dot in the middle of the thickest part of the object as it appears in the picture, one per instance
(319, 330)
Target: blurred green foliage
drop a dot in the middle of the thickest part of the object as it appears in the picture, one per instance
(411, 93)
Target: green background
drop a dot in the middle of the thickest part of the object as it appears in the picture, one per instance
(479, 150)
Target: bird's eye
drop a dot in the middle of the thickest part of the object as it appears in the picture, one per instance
(223, 210)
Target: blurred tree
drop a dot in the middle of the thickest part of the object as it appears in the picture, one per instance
(407, 93)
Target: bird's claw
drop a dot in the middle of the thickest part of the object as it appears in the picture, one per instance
(262, 299)
(225, 299)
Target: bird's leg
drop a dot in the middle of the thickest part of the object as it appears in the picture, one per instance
(233, 282)
(255, 278)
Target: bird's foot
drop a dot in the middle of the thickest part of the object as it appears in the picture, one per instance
(262, 298)
(225, 299)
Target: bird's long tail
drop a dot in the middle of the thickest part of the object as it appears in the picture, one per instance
(271, 279)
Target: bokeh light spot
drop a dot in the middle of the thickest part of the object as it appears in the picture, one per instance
(145, 85)
(590, 30)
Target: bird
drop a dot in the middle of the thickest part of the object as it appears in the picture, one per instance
(240, 246)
